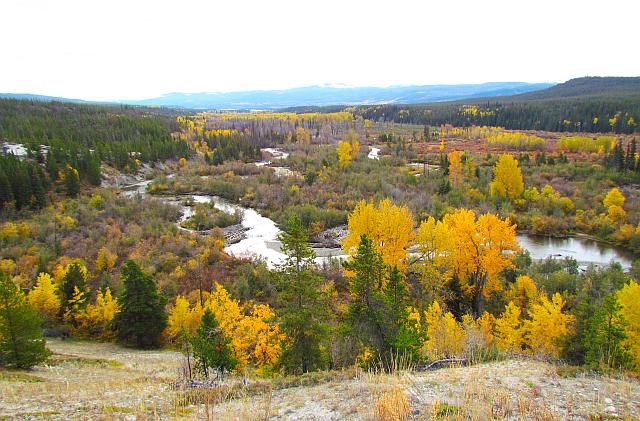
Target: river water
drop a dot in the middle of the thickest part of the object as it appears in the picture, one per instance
(261, 233)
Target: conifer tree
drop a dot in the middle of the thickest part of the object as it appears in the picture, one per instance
(141, 317)
(303, 312)
(21, 342)
(211, 348)
(71, 181)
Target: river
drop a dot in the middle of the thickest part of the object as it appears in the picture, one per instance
(260, 233)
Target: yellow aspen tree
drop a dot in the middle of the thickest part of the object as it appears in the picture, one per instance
(44, 298)
(456, 176)
(523, 292)
(177, 320)
(106, 260)
(476, 251)
(446, 338)
(388, 226)
(629, 299)
(96, 318)
(508, 332)
(613, 198)
(507, 178)
(547, 326)
(344, 153)
(352, 138)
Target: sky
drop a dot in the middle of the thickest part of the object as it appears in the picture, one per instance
(135, 49)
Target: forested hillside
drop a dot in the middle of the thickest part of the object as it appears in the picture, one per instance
(72, 140)
(593, 105)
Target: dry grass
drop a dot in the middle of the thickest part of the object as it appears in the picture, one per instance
(86, 380)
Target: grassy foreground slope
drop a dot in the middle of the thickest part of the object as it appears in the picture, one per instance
(88, 380)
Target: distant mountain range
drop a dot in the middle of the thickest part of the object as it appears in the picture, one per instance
(321, 96)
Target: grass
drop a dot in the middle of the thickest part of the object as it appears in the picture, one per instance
(19, 376)
(90, 380)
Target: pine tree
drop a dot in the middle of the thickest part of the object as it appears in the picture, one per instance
(21, 342)
(71, 181)
(52, 166)
(211, 348)
(6, 195)
(366, 314)
(303, 312)
(141, 318)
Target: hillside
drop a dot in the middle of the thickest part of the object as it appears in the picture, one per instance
(88, 379)
(594, 105)
(606, 87)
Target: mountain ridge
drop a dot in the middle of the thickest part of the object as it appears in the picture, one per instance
(316, 95)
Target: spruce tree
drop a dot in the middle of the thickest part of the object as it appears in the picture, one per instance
(367, 308)
(211, 348)
(21, 342)
(142, 317)
(303, 312)
(6, 195)
(71, 181)
(52, 167)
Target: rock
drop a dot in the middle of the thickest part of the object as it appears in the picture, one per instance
(608, 401)
(610, 409)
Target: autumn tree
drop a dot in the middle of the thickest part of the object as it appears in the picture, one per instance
(613, 202)
(95, 319)
(345, 153)
(456, 176)
(547, 326)
(445, 336)
(21, 342)
(44, 297)
(472, 251)
(389, 227)
(507, 178)
(629, 299)
(523, 293)
(105, 260)
(303, 312)
(141, 317)
(509, 335)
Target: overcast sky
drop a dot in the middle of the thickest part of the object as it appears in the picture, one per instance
(132, 49)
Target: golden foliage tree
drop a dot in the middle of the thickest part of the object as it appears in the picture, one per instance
(183, 319)
(629, 299)
(613, 198)
(456, 176)
(388, 226)
(44, 297)
(255, 337)
(106, 259)
(345, 153)
(445, 336)
(474, 251)
(508, 332)
(95, 319)
(523, 292)
(507, 178)
(547, 326)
